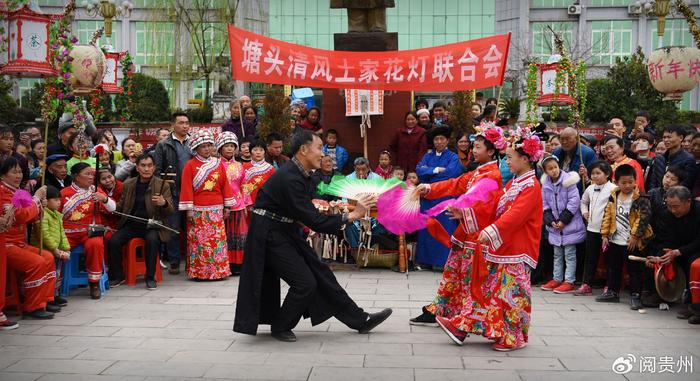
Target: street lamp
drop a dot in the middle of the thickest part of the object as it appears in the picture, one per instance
(108, 9)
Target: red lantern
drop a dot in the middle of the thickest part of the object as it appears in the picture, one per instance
(109, 81)
(547, 87)
(28, 53)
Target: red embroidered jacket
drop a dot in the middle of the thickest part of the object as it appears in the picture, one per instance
(515, 235)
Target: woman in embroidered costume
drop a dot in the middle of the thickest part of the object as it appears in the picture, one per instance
(236, 225)
(513, 246)
(207, 197)
(257, 171)
(464, 271)
(78, 202)
(37, 268)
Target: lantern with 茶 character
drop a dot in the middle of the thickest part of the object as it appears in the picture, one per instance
(28, 49)
(109, 81)
(674, 70)
(550, 92)
(88, 68)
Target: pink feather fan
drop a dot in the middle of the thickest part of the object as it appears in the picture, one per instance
(400, 213)
(480, 192)
(22, 199)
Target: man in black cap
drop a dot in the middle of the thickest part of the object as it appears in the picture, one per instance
(275, 249)
(57, 171)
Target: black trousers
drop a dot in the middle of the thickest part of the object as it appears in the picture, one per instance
(615, 259)
(283, 259)
(594, 241)
(122, 237)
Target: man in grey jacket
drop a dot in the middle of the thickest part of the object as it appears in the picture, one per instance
(171, 155)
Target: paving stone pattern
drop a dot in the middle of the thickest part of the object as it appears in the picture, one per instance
(182, 331)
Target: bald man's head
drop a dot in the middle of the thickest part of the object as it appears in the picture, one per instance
(568, 138)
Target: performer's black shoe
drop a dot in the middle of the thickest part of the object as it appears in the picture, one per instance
(425, 319)
(286, 336)
(59, 301)
(684, 314)
(52, 308)
(608, 296)
(375, 319)
(40, 314)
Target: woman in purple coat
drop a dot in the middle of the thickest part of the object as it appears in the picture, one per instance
(564, 223)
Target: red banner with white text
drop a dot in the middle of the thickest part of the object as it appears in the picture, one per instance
(466, 65)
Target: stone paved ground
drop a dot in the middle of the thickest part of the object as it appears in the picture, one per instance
(182, 330)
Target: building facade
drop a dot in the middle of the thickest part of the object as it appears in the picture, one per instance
(597, 31)
(160, 45)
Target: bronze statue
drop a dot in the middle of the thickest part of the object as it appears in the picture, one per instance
(365, 15)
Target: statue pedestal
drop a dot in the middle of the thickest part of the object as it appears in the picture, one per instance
(396, 104)
(366, 42)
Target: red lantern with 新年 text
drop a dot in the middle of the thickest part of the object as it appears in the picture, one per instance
(28, 48)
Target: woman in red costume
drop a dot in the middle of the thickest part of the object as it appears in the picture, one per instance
(513, 246)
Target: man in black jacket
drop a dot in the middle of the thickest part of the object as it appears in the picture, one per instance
(675, 155)
(275, 249)
(171, 155)
(678, 239)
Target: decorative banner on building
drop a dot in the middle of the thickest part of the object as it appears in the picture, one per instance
(464, 65)
(356, 101)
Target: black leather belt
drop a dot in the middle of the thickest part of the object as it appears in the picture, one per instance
(273, 216)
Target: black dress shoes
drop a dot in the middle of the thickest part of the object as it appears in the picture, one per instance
(40, 314)
(52, 308)
(375, 319)
(286, 336)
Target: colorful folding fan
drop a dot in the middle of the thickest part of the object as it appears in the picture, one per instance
(353, 189)
(479, 192)
(399, 212)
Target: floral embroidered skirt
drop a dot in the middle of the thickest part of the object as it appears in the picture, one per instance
(236, 231)
(207, 255)
(504, 315)
(453, 291)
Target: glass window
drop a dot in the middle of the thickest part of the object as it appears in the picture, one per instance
(609, 40)
(154, 43)
(85, 29)
(51, 3)
(199, 88)
(543, 40)
(551, 3)
(611, 3)
(26, 90)
(675, 34)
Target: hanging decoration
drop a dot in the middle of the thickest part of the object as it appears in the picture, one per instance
(127, 75)
(59, 90)
(89, 64)
(96, 107)
(26, 40)
(557, 84)
(110, 83)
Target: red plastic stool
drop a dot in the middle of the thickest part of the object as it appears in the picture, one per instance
(135, 265)
(13, 298)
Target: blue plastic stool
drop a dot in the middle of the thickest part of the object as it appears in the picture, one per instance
(73, 277)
